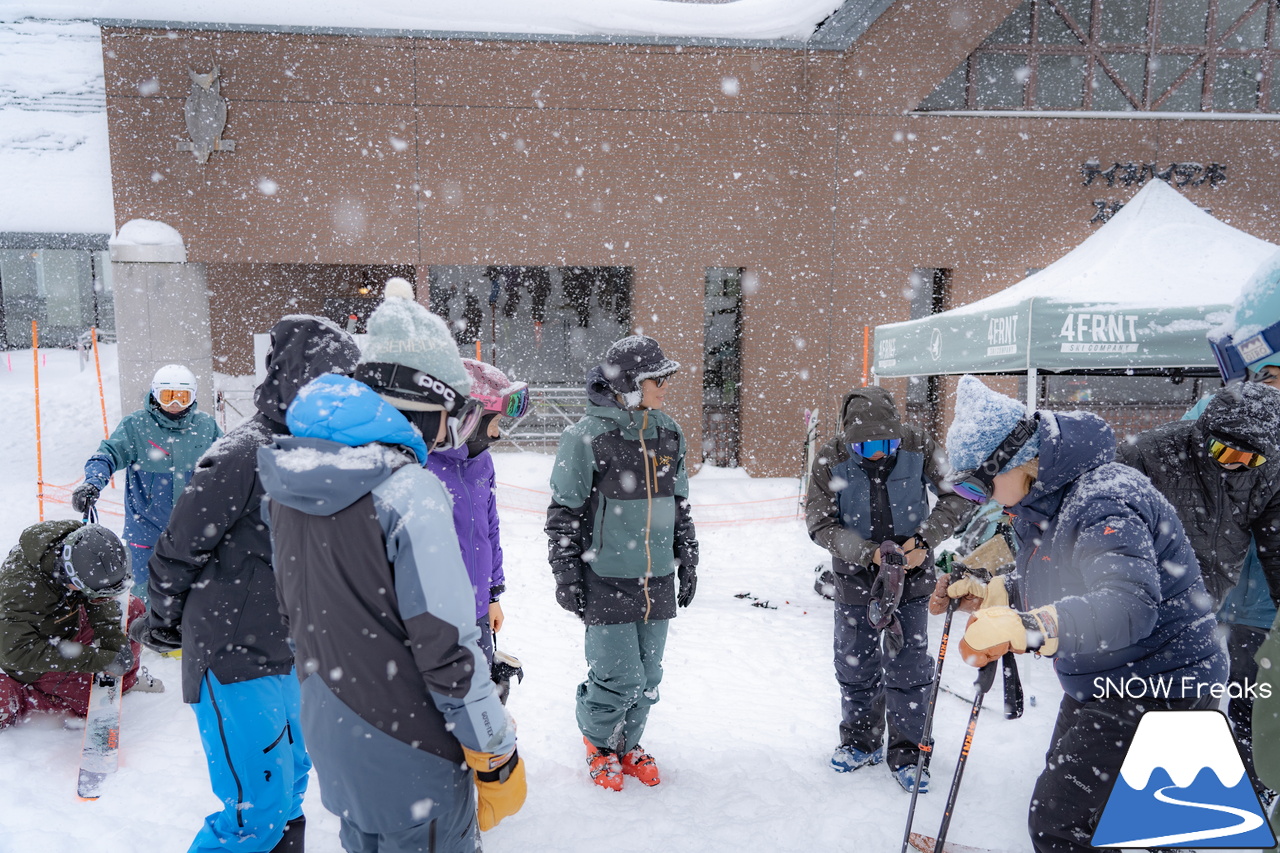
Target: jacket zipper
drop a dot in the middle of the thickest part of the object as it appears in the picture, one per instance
(648, 522)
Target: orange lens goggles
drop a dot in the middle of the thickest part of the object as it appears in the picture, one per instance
(169, 396)
(1227, 455)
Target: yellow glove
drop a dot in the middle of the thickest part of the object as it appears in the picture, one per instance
(992, 593)
(500, 785)
(994, 631)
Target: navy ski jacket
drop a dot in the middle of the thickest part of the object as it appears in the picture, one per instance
(1098, 541)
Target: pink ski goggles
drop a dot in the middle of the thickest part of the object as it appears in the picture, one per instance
(513, 401)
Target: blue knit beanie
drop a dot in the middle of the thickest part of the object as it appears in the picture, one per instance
(983, 419)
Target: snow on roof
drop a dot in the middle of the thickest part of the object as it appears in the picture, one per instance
(727, 19)
(1160, 249)
(54, 164)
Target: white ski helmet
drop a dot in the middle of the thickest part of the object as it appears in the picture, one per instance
(174, 377)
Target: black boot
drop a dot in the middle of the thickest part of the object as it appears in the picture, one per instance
(295, 832)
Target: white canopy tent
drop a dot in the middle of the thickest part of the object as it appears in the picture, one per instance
(1137, 295)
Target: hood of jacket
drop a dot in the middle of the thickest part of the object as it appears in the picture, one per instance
(599, 391)
(631, 421)
(37, 543)
(302, 348)
(345, 410)
(1071, 443)
(1247, 412)
(868, 414)
(321, 477)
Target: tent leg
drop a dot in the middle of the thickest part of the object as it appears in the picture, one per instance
(1031, 390)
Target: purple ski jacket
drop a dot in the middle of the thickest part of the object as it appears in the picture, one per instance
(475, 517)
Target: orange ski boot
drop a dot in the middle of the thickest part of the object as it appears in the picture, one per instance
(605, 770)
(641, 765)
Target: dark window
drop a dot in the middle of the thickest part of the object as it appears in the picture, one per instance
(722, 366)
(928, 292)
(1117, 55)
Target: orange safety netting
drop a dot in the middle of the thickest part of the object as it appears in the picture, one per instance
(61, 494)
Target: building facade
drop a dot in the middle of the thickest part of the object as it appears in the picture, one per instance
(756, 209)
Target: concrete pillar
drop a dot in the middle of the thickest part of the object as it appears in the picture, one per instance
(162, 311)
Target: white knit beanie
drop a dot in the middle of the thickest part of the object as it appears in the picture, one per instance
(401, 331)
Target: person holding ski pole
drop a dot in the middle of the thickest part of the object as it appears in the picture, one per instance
(60, 591)
(870, 488)
(1107, 584)
(158, 446)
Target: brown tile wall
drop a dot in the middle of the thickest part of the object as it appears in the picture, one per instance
(435, 152)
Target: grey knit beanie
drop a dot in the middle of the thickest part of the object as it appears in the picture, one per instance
(403, 332)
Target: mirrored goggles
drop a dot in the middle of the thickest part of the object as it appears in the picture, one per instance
(461, 424)
(169, 396)
(512, 402)
(867, 449)
(972, 487)
(1225, 454)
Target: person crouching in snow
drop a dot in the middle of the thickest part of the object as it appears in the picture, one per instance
(621, 535)
(871, 483)
(398, 712)
(60, 590)
(1106, 583)
(159, 446)
(467, 472)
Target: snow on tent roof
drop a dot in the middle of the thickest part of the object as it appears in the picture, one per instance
(1132, 295)
(724, 19)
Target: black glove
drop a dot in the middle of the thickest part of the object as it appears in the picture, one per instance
(123, 662)
(688, 585)
(157, 639)
(84, 496)
(571, 597)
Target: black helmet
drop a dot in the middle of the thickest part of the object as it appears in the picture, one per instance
(93, 561)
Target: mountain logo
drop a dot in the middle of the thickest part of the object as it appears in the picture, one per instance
(1182, 783)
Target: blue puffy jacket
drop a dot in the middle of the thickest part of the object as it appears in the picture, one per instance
(1098, 541)
(471, 481)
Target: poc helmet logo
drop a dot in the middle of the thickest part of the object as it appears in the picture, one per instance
(429, 382)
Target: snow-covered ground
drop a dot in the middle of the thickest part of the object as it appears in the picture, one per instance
(743, 732)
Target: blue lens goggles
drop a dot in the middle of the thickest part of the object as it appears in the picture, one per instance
(1233, 359)
(867, 449)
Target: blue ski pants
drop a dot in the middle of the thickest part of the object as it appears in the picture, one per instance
(258, 764)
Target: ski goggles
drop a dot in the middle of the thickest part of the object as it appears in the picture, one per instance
(1234, 358)
(512, 401)
(169, 396)
(1225, 454)
(867, 449)
(978, 484)
(460, 425)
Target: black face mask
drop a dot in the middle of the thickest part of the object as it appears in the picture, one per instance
(428, 423)
(480, 440)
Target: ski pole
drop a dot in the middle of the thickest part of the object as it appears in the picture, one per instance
(986, 677)
(926, 741)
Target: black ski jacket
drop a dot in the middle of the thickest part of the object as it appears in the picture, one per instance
(1220, 509)
(211, 572)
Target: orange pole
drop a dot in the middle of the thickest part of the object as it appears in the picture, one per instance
(479, 352)
(102, 397)
(35, 357)
(866, 352)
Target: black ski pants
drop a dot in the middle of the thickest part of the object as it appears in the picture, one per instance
(1243, 642)
(1085, 753)
(876, 688)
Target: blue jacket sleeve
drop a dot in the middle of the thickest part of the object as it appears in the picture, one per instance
(498, 579)
(1116, 556)
(114, 453)
(437, 607)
